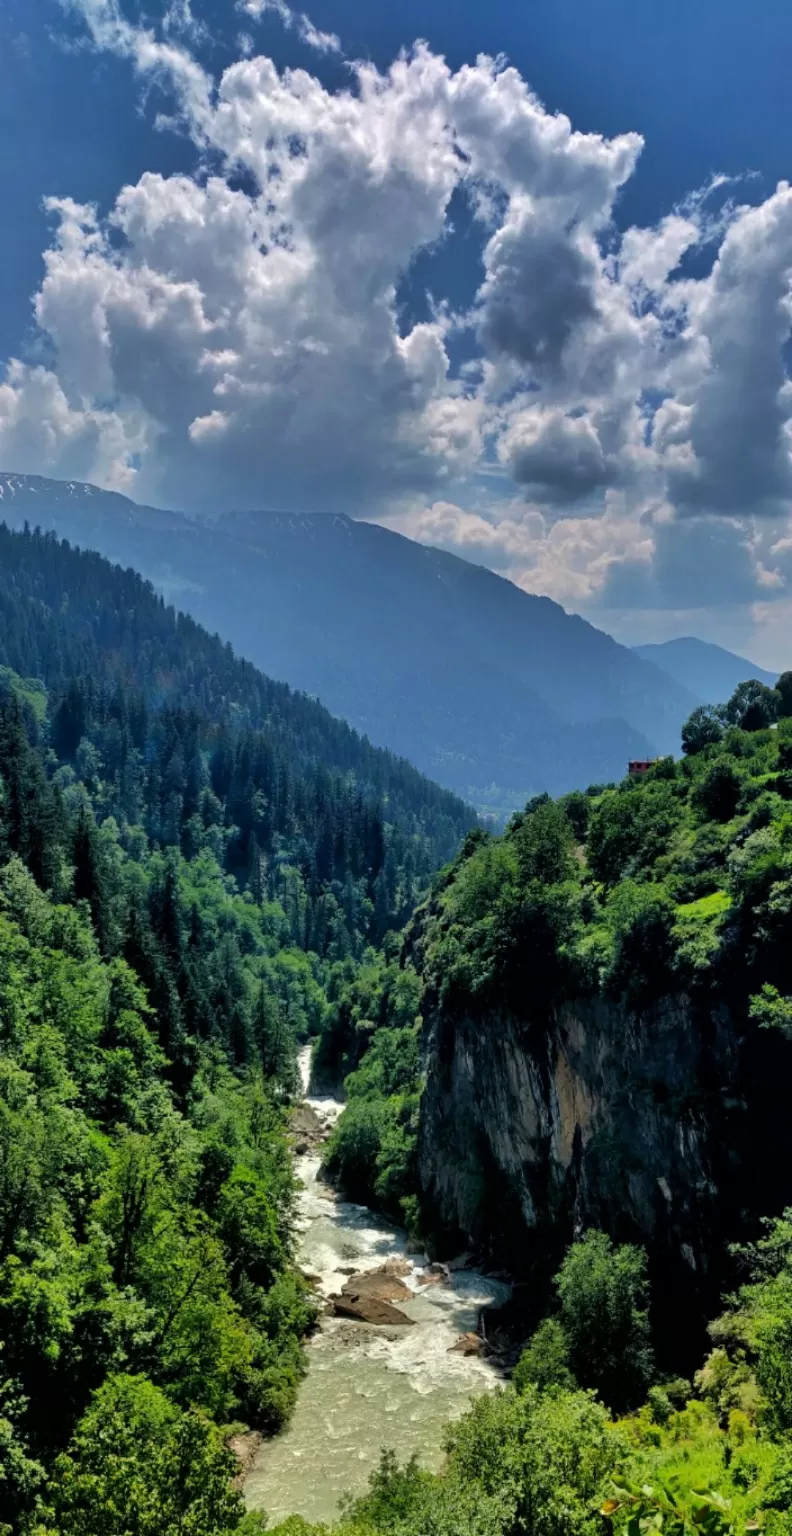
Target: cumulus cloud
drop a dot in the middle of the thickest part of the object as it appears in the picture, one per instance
(42, 432)
(572, 559)
(556, 454)
(239, 336)
(732, 412)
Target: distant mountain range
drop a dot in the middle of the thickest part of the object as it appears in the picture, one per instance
(495, 693)
(708, 671)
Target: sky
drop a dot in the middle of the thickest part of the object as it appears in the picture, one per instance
(515, 280)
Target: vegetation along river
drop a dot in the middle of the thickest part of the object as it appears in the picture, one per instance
(368, 1386)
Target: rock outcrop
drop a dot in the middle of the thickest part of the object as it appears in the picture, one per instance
(531, 1133)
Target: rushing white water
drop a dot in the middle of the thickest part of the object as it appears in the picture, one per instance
(367, 1387)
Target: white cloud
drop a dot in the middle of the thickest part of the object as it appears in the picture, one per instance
(736, 402)
(323, 42)
(238, 337)
(42, 432)
(569, 558)
(153, 57)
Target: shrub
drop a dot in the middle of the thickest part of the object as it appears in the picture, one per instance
(547, 1454)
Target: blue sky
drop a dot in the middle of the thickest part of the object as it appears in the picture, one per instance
(480, 356)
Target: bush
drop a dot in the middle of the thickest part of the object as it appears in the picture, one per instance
(546, 1455)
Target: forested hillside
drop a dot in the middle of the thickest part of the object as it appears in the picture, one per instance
(178, 719)
(491, 690)
(586, 1043)
(192, 861)
(573, 1055)
(604, 1004)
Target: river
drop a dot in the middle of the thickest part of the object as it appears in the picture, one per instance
(367, 1387)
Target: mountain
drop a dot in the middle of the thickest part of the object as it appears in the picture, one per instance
(495, 693)
(706, 670)
(116, 662)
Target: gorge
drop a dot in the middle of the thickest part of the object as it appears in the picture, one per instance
(368, 1387)
(564, 1049)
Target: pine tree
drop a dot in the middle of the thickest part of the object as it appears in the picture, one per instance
(275, 1041)
(255, 866)
(90, 881)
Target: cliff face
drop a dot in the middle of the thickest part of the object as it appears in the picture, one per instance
(600, 1118)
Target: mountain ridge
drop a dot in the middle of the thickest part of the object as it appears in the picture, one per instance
(708, 670)
(494, 692)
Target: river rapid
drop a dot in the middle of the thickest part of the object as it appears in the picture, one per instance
(367, 1387)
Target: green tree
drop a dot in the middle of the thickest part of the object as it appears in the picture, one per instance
(90, 879)
(704, 728)
(752, 706)
(547, 1456)
(641, 921)
(784, 690)
(545, 1360)
(275, 1040)
(770, 1010)
(717, 793)
(603, 1291)
(21, 1478)
(758, 1324)
(631, 828)
(138, 1466)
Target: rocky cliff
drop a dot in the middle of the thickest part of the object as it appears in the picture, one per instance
(599, 1117)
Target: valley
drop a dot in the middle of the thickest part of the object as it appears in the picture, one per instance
(370, 1386)
(287, 1032)
(493, 692)
(395, 769)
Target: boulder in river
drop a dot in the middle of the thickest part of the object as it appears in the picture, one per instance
(379, 1284)
(245, 1447)
(433, 1276)
(468, 1344)
(369, 1297)
(367, 1309)
(397, 1267)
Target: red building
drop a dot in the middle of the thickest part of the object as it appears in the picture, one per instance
(641, 764)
